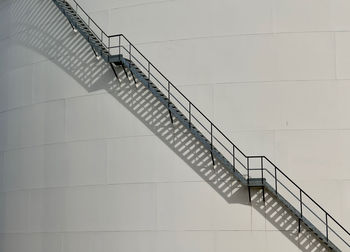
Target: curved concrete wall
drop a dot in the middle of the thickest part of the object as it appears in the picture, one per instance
(88, 163)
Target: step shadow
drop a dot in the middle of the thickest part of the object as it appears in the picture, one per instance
(45, 30)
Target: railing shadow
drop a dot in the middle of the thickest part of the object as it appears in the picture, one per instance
(46, 31)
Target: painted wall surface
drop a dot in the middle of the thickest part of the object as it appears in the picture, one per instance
(91, 164)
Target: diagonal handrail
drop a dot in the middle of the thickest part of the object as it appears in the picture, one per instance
(271, 176)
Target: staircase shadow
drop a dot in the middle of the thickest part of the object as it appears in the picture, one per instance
(46, 31)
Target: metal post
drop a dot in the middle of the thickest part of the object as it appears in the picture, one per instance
(233, 157)
(262, 170)
(109, 44)
(119, 45)
(189, 115)
(101, 36)
(168, 94)
(211, 136)
(171, 117)
(89, 21)
(149, 70)
(211, 143)
(276, 179)
(301, 204)
(262, 176)
(327, 226)
(248, 169)
(129, 54)
(301, 209)
(250, 199)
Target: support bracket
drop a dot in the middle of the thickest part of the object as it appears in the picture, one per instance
(126, 73)
(115, 73)
(212, 156)
(73, 28)
(71, 25)
(94, 51)
(171, 116)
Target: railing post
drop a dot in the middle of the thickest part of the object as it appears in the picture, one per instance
(168, 94)
(248, 169)
(189, 115)
(262, 176)
(233, 158)
(301, 208)
(211, 136)
(129, 54)
(109, 45)
(149, 73)
(101, 36)
(250, 199)
(326, 226)
(119, 45)
(276, 179)
(211, 143)
(262, 170)
(301, 203)
(171, 117)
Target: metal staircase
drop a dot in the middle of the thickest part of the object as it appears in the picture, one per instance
(251, 171)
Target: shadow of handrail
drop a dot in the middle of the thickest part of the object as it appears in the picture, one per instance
(47, 32)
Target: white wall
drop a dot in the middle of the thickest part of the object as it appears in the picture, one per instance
(85, 167)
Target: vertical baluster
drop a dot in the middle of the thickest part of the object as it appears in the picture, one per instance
(233, 158)
(276, 180)
(211, 136)
(149, 73)
(262, 170)
(109, 45)
(119, 44)
(168, 94)
(149, 70)
(211, 143)
(301, 203)
(262, 176)
(189, 115)
(301, 209)
(326, 226)
(171, 117)
(250, 199)
(129, 55)
(248, 169)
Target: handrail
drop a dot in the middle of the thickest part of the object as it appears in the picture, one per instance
(232, 148)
